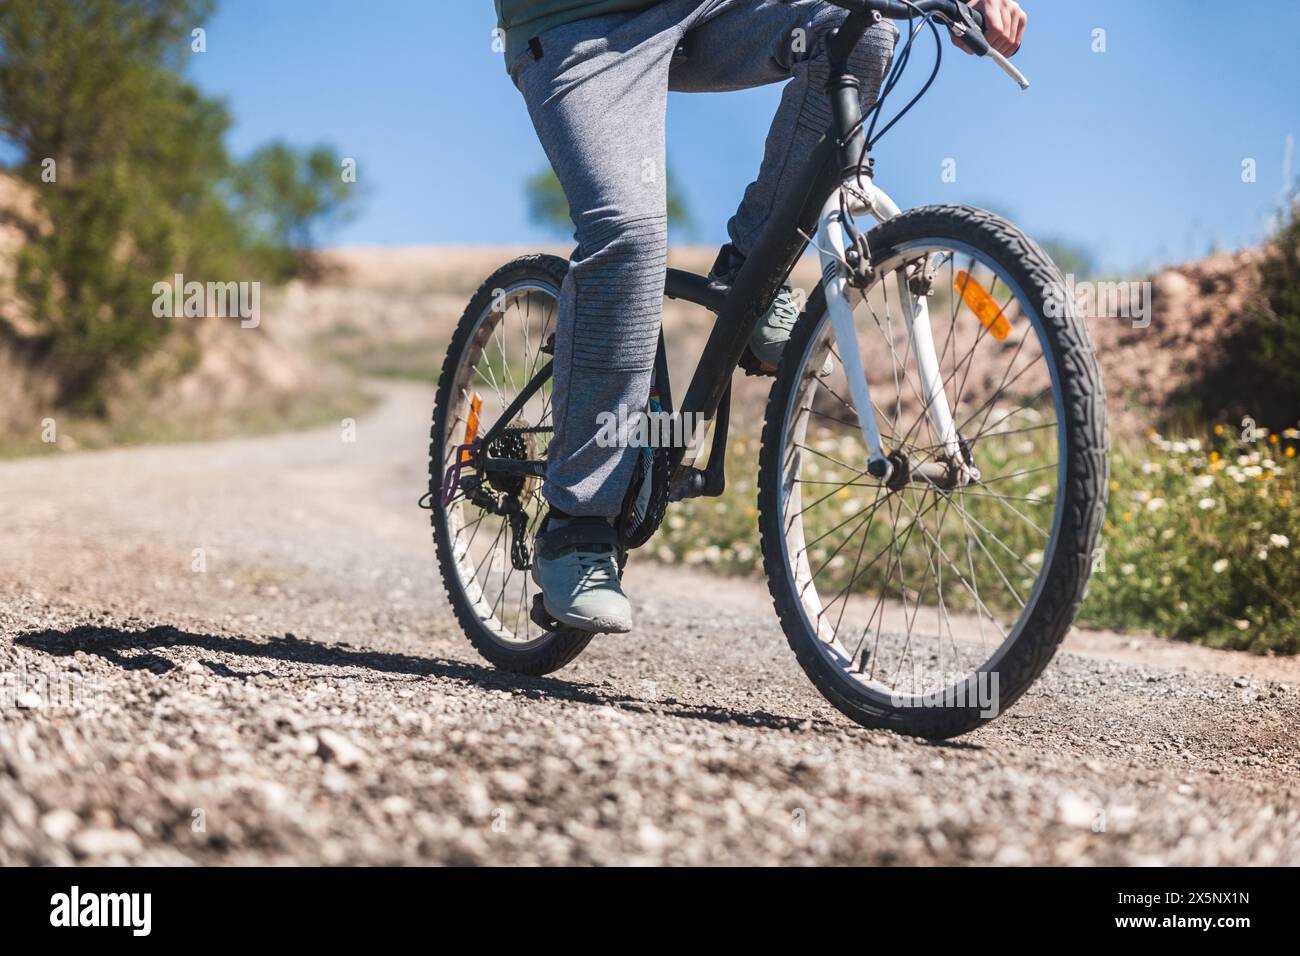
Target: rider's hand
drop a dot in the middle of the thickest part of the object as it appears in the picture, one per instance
(1004, 25)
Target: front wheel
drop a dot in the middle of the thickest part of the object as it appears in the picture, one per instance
(919, 606)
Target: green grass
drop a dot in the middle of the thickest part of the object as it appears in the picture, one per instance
(1199, 542)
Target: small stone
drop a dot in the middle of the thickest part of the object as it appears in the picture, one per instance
(104, 841)
(335, 780)
(1073, 810)
(28, 700)
(651, 837)
(510, 782)
(396, 806)
(339, 749)
(1012, 855)
(60, 824)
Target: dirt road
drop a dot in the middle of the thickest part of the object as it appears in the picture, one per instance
(238, 653)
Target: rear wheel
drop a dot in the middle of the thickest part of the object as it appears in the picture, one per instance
(496, 350)
(920, 606)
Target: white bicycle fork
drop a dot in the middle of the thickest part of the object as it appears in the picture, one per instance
(841, 297)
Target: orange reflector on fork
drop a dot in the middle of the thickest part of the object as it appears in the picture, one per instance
(471, 426)
(983, 305)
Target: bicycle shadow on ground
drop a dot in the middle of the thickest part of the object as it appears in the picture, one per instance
(137, 650)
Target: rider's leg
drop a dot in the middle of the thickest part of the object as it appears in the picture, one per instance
(597, 91)
(751, 43)
(597, 97)
(755, 42)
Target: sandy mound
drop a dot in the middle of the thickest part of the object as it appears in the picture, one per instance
(207, 365)
(1197, 351)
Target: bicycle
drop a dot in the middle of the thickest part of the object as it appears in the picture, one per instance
(975, 504)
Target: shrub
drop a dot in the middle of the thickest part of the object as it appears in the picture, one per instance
(1279, 319)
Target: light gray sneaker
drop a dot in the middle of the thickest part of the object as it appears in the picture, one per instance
(768, 341)
(773, 332)
(575, 563)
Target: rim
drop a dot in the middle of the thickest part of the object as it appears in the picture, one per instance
(915, 594)
(502, 354)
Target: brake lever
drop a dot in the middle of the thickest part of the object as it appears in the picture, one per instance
(969, 32)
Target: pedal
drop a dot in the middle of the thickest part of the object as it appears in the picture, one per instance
(542, 617)
(750, 365)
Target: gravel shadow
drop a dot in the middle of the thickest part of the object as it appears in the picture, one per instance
(136, 650)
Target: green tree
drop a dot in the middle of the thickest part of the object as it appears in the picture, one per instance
(118, 147)
(134, 183)
(547, 206)
(287, 197)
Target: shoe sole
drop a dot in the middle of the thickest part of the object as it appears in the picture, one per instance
(593, 625)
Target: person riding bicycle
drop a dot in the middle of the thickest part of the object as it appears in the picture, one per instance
(595, 75)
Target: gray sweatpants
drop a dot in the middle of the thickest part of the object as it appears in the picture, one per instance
(597, 97)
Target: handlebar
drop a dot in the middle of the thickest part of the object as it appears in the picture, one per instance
(895, 10)
(966, 23)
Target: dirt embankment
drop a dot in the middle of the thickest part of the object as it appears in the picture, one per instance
(1197, 355)
(208, 366)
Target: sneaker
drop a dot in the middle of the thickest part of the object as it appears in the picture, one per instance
(773, 332)
(575, 563)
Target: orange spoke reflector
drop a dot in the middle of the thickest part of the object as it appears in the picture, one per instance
(983, 305)
(471, 426)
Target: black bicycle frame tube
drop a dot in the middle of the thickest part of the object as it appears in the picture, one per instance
(680, 285)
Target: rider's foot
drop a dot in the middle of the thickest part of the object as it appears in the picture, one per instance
(576, 566)
(773, 332)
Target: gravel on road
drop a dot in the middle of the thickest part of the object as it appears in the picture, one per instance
(239, 653)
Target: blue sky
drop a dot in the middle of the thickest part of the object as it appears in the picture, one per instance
(1136, 152)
